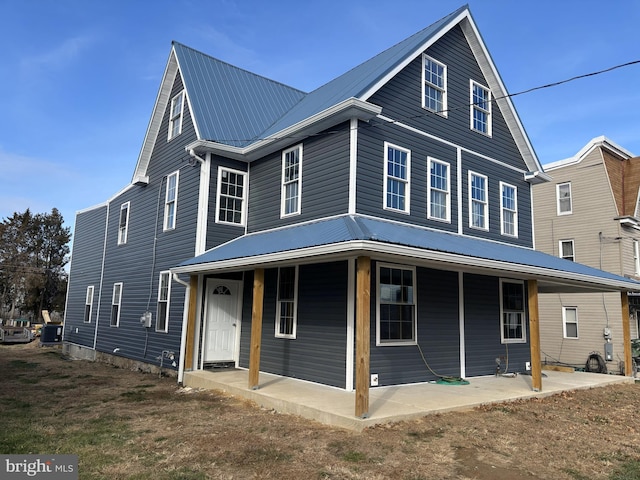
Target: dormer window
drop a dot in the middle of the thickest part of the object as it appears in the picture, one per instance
(480, 109)
(175, 118)
(434, 84)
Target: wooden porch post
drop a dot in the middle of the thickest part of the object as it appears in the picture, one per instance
(256, 328)
(363, 322)
(626, 334)
(534, 336)
(191, 322)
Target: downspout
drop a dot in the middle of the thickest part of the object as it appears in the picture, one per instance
(185, 318)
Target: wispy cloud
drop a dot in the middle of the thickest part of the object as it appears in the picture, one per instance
(56, 57)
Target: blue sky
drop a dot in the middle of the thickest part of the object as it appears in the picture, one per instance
(80, 77)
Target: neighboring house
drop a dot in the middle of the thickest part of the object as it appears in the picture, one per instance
(589, 214)
(378, 228)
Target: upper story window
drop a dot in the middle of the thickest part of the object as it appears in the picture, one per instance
(478, 204)
(88, 304)
(231, 200)
(508, 210)
(637, 211)
(512, 312)
(636, 257)
(123, 224)
(434, 95)
(567, 250)
(439, 191)
(175, 117)
(480, 108)
(286, 315)
(116, 300)
(563, 193)
(570, 322)
(164, 292)
(171, 201)
(291, 181)
(397, 173)
(396, 305)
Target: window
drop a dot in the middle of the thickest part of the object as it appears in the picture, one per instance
(291, 181)
(570, 322)
(171, 202)
(480, 108)
(123, 224)
(563, 191)
(88, 304)
(231, 196)
(396, 177)
(175, 117)
(116, 299)
(478, 206)
(438, 191)
(164, 291)
(567, 250)
(434, 84)
(286, 315)
(636, 257)
(509, 210)
(512, 315)
(396, 305)
(637, 211)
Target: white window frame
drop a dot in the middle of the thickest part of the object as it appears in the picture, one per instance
(400, 180)
(427, 84)
(116, 302)
(88, 304)
(447, 192)
(175, 116)
(565, 322)
(285, 209)
(171, 203)
(220, 196)
(484, 203)
(522, 312)
(123, 229)
(504, 210)
(475, 107)
(412, 301)
(561, 254)
(294, 306)
(636, 257)
(637, 211)
(558, 198)
(164, 296)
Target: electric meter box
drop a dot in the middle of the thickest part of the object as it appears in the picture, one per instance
(145, 319)
(608, 352)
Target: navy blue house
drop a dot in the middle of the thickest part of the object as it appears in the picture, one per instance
(377, 229)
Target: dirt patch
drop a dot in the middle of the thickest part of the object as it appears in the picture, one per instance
(126, 424)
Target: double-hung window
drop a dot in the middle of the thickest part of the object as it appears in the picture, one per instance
(434, 95)
(636, 257)
(123, 224)
(512, 312)
(175, 117)
(396, 307)
(231, 199)
(286, 314)
(478, 203)
(570, 322)
(171, 201)
(397, 174)
(291, 181)
(164, 292)
(480, 108)
(563, 193)
(116, 300)
(508, 210)
(88, 304)
(567, 250)
(439, 191)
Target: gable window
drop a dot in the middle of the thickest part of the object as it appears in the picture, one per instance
(175, 116)
(434, 95)
(512, 314)
(291, 181)
(439, 191)
(636, 257)
(123, 224)
(88, 304)
(397, 173)
(286, 315)
(567, 250)
(570, 322)
(480, 108)
(116, 300)
(563, 192)
(230, 203)
(396, 308)
(478, 205)
(171, 201)
(164, 291)
(509, 210)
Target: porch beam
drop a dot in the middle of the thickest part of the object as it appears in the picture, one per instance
(626, 334)
(363, 339)
(256, 328)
(191, 322)
(534, 336)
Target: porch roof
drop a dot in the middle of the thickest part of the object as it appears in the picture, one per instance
(351, 235)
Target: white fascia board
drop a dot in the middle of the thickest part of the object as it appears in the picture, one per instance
(596, 142)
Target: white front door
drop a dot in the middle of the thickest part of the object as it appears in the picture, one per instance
(221, 320)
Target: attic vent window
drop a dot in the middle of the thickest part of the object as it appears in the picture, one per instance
(434, 95)
(175, 117)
